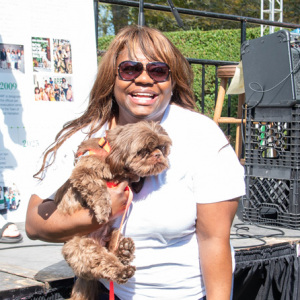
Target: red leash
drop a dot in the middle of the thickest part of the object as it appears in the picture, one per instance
(103, 143)
(111, 283)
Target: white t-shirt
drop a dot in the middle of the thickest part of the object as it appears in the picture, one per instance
(162, 217)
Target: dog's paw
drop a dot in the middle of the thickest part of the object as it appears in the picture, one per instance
(126, 273)
(125, 250)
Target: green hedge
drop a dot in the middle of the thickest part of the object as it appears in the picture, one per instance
(213, 45)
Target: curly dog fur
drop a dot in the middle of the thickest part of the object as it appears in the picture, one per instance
(137, 150)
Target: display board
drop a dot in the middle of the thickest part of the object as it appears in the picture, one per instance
(48, 63)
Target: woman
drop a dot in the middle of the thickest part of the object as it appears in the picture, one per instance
(69, 95)
(67, 59)
(64, 86)
(56, 92)
(42, 93)
(37, 94)
(44, 96)
(181, 215)
(8, 59)
(62, 96)
(14, 59)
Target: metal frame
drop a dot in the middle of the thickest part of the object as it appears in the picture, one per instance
(271, 8)
(243, 20)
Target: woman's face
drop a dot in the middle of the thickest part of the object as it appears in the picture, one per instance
(141, 98)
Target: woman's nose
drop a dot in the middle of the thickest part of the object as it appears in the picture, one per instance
(144, 78)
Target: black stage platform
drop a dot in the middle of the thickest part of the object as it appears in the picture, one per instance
(267, 266)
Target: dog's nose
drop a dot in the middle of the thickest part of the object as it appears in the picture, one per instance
(156, 153)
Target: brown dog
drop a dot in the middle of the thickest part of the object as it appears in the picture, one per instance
(136, 151)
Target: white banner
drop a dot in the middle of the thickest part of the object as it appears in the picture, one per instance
(48, 62)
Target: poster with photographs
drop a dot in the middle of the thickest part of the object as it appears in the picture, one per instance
(43, 85)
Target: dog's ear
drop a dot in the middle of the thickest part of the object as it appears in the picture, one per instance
(87, 145)
(120, 139)
(116, 159)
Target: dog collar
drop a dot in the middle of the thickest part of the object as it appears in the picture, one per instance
(103, 143)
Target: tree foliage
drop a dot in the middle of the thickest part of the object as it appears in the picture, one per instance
(121, 16)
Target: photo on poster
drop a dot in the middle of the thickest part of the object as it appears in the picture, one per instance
(41, 57)
(53, 88)
(10, 198)
(11, 58)
(62, 56)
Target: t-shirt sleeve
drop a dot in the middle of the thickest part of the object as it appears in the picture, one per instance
(56, 174)
(218, 176)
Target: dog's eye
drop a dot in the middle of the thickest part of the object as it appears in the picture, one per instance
(162, 148)
(143, 152)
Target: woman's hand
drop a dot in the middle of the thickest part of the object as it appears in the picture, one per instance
(119, 197)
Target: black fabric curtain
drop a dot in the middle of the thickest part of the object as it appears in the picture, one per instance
(267, 273)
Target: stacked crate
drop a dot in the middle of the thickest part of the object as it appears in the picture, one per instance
(272, 166)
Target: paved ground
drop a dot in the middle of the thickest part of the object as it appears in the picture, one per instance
(34, 267)
(31, 267)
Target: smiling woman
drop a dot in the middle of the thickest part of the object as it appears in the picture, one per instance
(181, 216)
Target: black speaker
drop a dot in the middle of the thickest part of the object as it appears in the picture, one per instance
(271, 70)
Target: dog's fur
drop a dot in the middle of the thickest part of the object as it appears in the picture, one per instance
(137, 150)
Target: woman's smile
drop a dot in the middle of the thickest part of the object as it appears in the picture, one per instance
(141, 97)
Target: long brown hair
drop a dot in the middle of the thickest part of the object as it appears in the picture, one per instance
(102, 107)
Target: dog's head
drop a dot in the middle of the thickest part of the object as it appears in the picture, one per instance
(141, 148)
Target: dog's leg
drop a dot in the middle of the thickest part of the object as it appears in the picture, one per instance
(85, 290)
(89, 260)
(125, 247)
(86, 180)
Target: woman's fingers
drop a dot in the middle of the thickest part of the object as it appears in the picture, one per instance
(119, 197)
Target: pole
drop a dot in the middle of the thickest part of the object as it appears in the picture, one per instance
(175, 13)
(141, 21)
(96, 21)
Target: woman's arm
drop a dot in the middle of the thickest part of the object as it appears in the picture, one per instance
(45, 222)
(213, 232)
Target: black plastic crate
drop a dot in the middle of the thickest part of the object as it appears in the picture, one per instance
(273, 137)
(272, 201)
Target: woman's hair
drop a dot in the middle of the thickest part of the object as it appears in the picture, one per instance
(102, 106)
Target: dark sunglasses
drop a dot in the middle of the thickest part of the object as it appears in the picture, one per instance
(129, 70)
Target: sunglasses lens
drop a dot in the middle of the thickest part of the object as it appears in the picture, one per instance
(158, 71)
(129, 70)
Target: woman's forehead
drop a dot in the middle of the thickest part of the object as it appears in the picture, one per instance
(137, 53)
